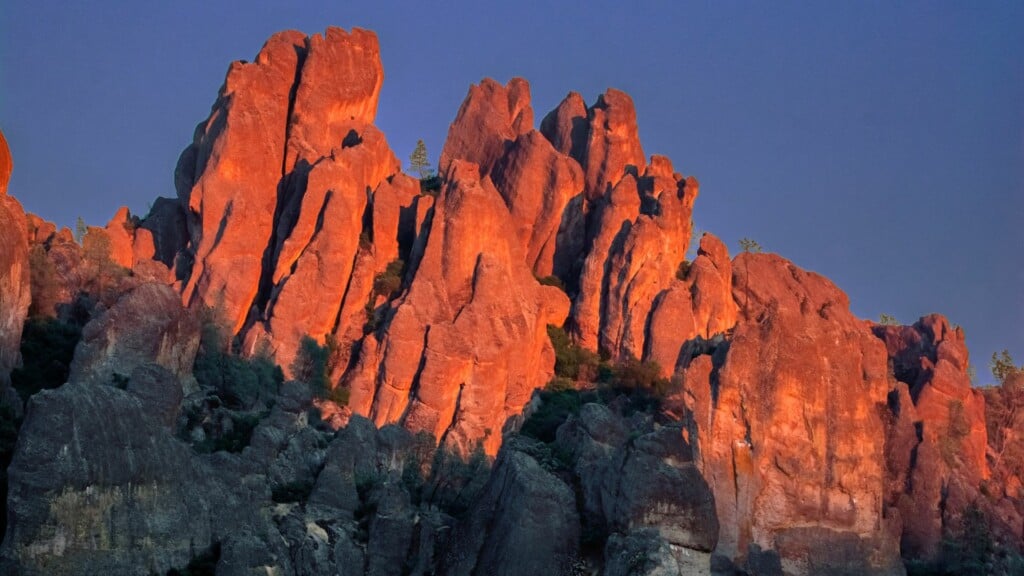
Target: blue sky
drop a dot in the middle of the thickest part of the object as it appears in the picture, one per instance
(880, 144)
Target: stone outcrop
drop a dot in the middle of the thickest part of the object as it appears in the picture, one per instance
(490, 117)
(15, 287)
(228, 178)
(123, 496)
(938, 440)
(467, 344)
(147, 325)
(699, 305)
(787, 419)
(784, 446)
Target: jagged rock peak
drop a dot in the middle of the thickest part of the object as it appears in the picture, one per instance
(15, 289)
(6, 165)
(490, 116)
(243, 180)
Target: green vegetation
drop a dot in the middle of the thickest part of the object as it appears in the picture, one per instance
(599, 381)
(887, 320)
(388, 284)
(240, 382)
(1003, 367)
(47, 347)
(80, 230)
(234, 440)
(683, 270)
(314, 364)
(552, 281)
(555, 408)
(751, 246)
(572, 361)
(297, 491)
(970, 550)
(419, 162)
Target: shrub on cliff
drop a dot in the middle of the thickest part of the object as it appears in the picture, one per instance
(240, 382)
(314, 364)
(572, 361)
(47, 347)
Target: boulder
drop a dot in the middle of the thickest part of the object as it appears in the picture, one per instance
(148, 325)
(122, 496)
(525, 523)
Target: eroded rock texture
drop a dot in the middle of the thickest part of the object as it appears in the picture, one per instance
(938, 439)
(788, 423)
(787, 446)
(467, 344)
(15, 288)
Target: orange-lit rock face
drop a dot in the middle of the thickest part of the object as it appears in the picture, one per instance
(700, 304)
(289, 145)
(341, 80)
(467, 344)
(121, 233)
(315, 262)
(538, 183)
(490, 116)
(15, 289)
(230, 175)
(5, 164)
(938, 441)
(788, 420)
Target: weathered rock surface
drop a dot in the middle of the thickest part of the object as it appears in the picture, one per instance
(229, 177)
(790, 449)
(699, 305)
(538, 185)
(467, 344)
(148, 325)
(525, 523)
(15, 286)
(96, 486)
(490, 117)
(938, 440)
(788, 422)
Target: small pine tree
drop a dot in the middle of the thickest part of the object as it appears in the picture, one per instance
(419, 162)
(80, 230)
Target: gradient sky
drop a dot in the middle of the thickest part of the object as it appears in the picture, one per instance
(880, 144)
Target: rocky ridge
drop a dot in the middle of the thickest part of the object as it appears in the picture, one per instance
(792, 438)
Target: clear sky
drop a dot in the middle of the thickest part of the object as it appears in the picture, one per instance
(880, 144)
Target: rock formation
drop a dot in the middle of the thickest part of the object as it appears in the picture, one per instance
(787, 417)
(467, 344)
(15, 288)
(788, 437)
(938, 439)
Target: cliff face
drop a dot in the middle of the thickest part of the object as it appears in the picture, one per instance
(793, 438)
(15, 289)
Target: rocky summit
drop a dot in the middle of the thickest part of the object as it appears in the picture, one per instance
(310, 362)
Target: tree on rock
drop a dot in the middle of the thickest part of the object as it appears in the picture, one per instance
(419, 162)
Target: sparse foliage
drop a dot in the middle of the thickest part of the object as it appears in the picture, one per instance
(751, 246)
(1002, 366)
(887, 320)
